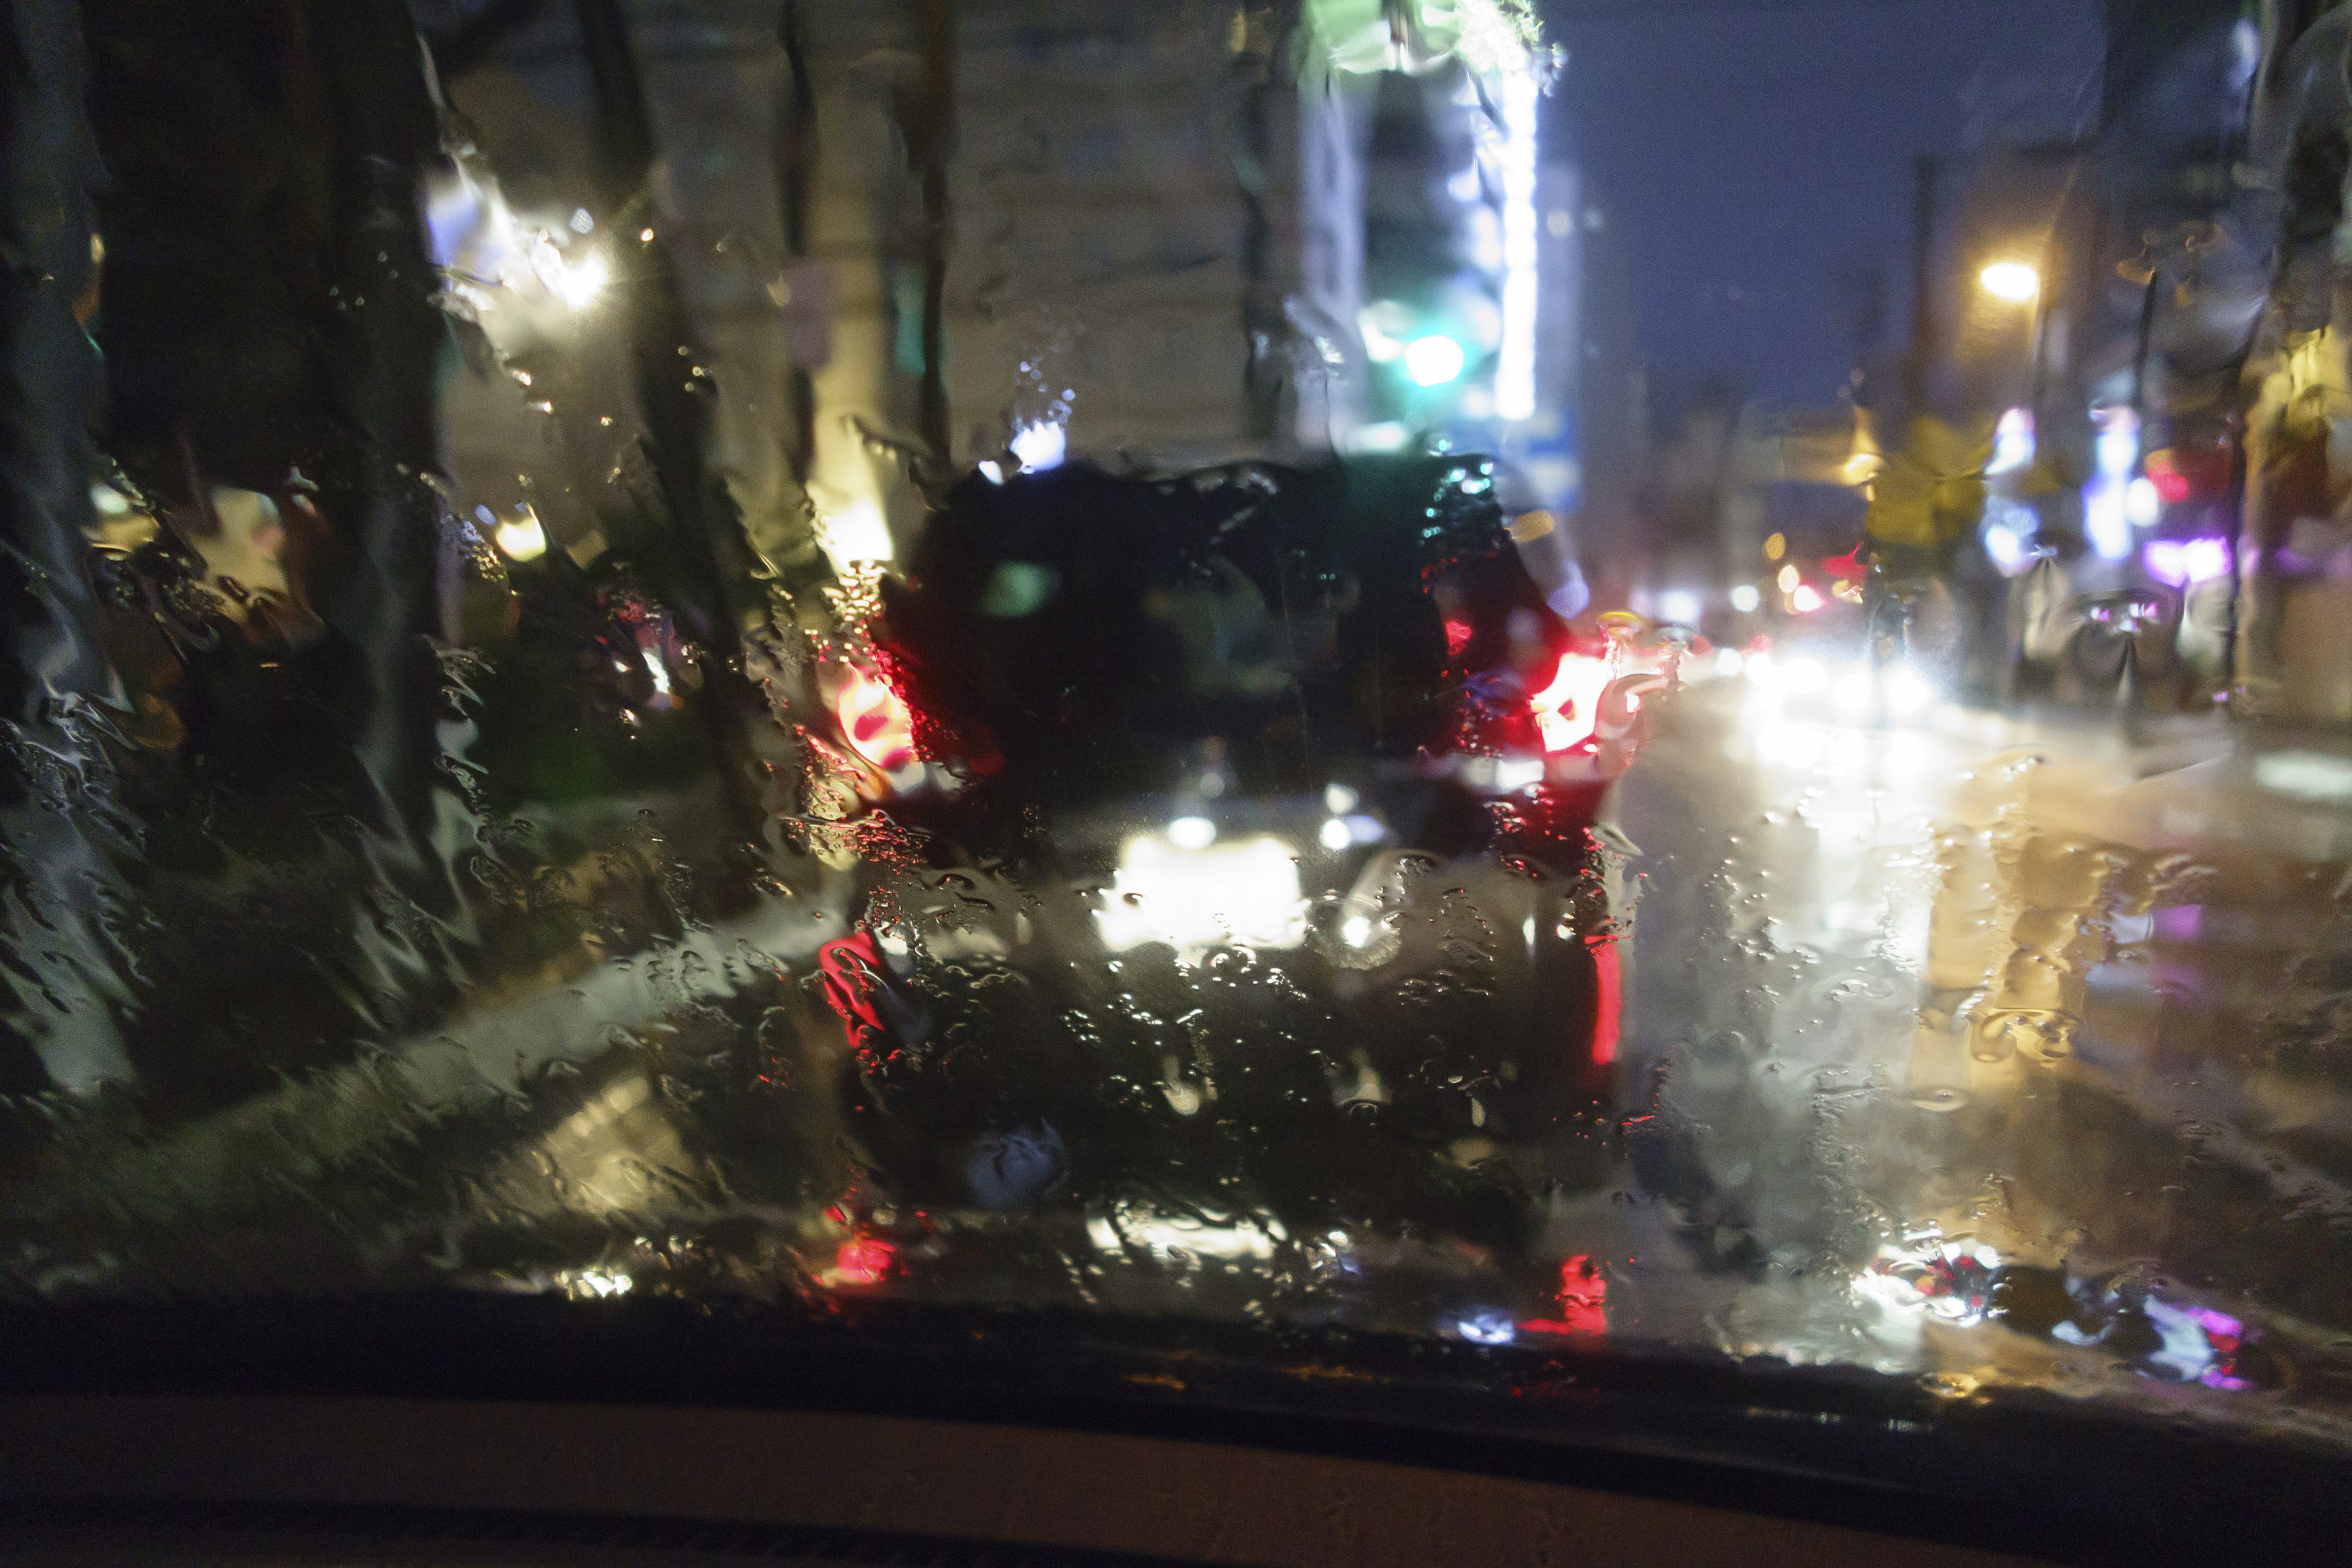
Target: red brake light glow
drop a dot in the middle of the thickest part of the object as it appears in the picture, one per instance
(863, 1261)
(1566, 710)
(873, 721)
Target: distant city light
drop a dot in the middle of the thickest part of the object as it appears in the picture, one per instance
(1805, 599)
(1383, 325)
(2104, 521)
(2183, 562)
(2010, 280)
(2008, 535)
(2005, 549)
(1192, 833)
(1515, 364)
(2118, 447)
(1341, 832)
(1018, 588)
(2013, 442)
(1041, 446)
(2246, 46)
(1185, 1236)
(577, 283)
(1860, 468)
(1568, 600)
(2105, 518)
(1511, 776)
(1486, 1328)
(1679, 606)
(595, 1284)
(855, 534)
(1433, 359)
(1385, 435)
(520, 538)
(1905, 691)
(1745, 598)
(2206, 559)
(2142, 504)
(1853, 688)
(491, 258)
(2305, 775)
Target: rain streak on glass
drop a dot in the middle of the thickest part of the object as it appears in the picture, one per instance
(1312, 666)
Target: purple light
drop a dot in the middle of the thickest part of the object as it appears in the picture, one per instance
(2013, 442)
(2206, 559)
(2179, 563)
(2214, 1322)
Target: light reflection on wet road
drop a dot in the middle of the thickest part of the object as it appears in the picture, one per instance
(1921, 992)
(1985, 1051)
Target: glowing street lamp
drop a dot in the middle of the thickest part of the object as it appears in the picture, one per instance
(2012, 280)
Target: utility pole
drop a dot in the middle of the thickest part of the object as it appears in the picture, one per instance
(795, 167)
(1923, 268)
(709, 565)
(932, 128)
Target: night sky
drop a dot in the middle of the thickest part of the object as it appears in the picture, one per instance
(1759, 150)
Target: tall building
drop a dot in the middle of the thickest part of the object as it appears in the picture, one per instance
(1438, 272)
(943, 231)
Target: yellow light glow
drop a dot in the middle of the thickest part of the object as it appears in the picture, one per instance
(1775, 547)
(522, 537)
(579, 283)
(2010, 280)
(854, 532)
(1788, 579)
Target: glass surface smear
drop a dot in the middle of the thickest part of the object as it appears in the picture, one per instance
(1587, 678)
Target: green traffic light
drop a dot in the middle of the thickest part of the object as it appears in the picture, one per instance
(1433, 359)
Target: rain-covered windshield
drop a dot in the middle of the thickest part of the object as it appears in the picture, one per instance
(1555, 681)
